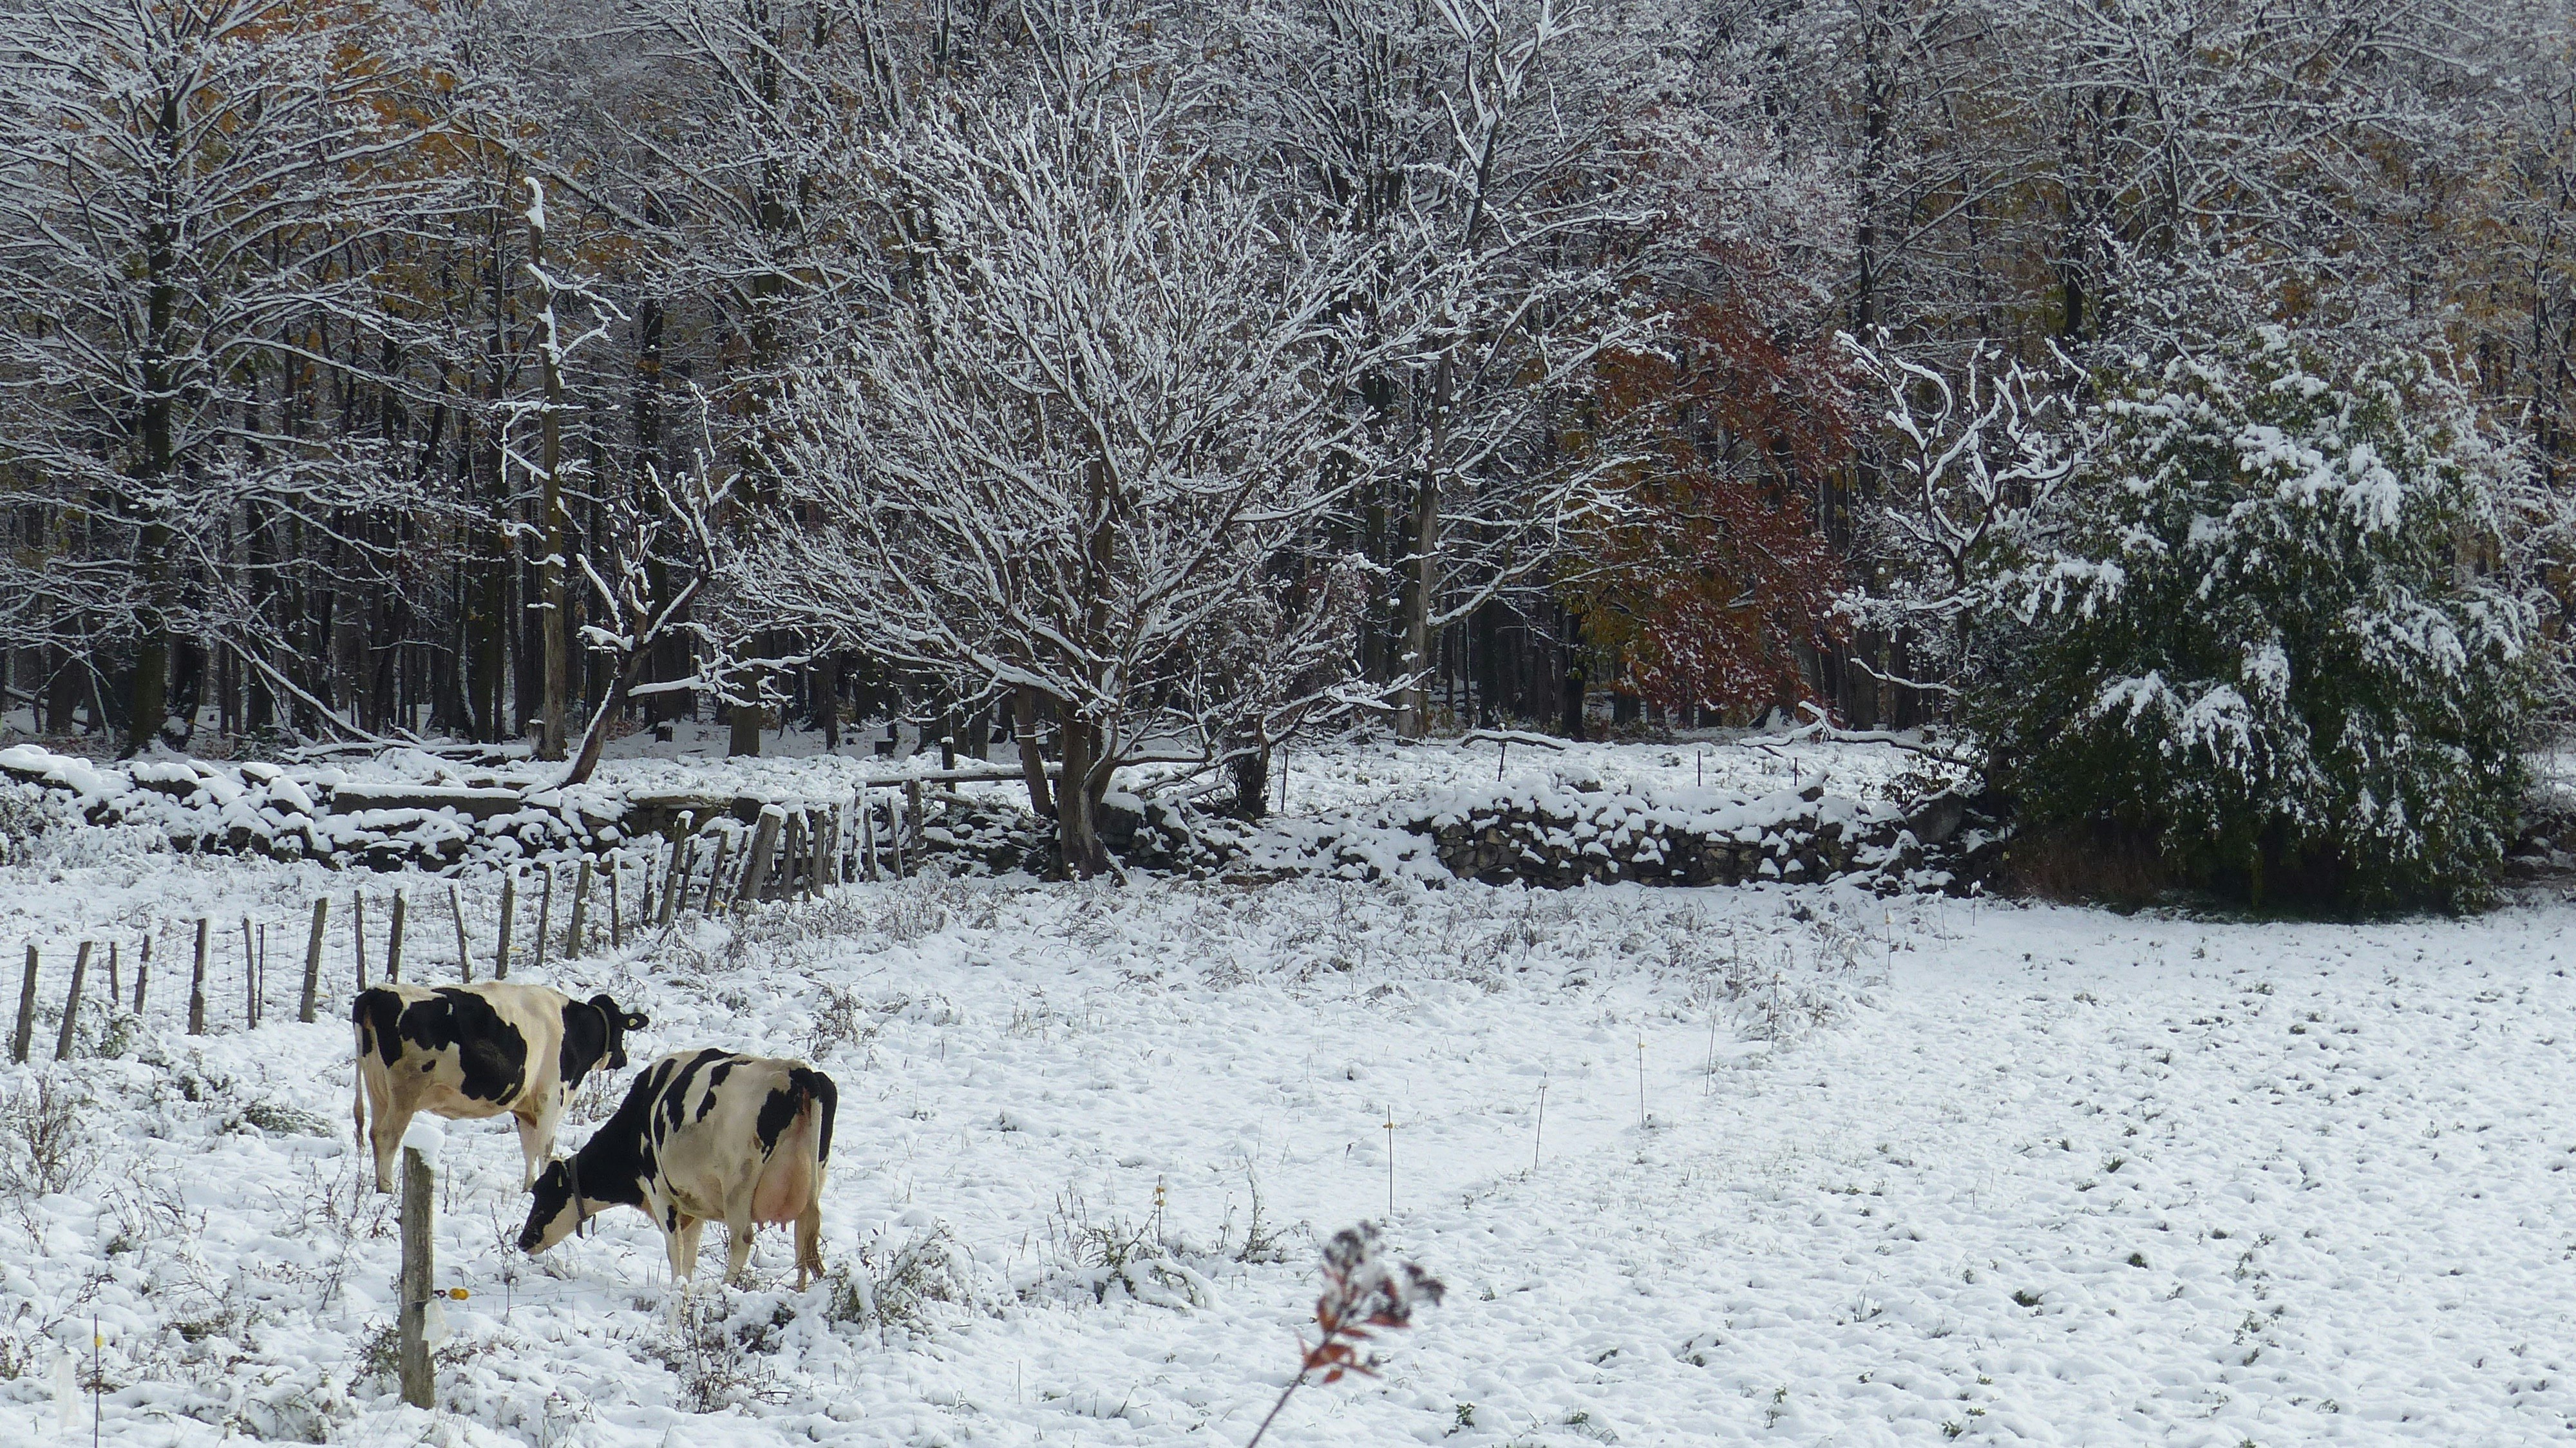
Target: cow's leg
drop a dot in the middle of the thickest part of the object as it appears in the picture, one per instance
(385, 1134)
(536, 1143)
(809, 1242)
(738, 1230)
(683, 1242)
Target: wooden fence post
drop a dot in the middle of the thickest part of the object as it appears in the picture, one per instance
(115, 982)
(197, 981)
(509, 917)
(358, 937)
(313, 961)
(464, 953)
(616, 907)
(418, 1388)
(142, 974)
(71, 1003)
(545, 917)
(715, 871)
(250, 979)
(868, 836)
(580, 910)
(393, 943)
(675, 869)
(26, 1035)
(764, 843)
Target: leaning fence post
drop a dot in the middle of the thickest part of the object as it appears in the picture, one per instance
(764, 843)
(25, 1037)
(580, 909)
(71, 1003)
(418, 1389)
(509, 917)
(464, 953)
(715, 871)
(674, 871)
(867, 837)
(313, 961)
(393, 943)
(197, 982)
(545, 917)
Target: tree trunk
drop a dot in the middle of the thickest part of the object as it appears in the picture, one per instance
(1252, 783)
(558, 651)
(745, 740)
(1079, 793)
(1024, 730)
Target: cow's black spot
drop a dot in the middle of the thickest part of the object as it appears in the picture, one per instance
(675, 1097)
(715, 1081)
(378, 1013)
(491, 1055)
(585, 1043)
(803, 1086)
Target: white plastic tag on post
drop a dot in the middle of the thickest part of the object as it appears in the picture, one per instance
(433, 1323)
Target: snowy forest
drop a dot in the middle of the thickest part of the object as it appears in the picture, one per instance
(1509, 723)
(1221, 373)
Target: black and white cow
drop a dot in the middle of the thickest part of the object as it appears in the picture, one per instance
(704, 1135)
(471, 1051)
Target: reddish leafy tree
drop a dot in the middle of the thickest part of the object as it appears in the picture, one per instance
(1715, 588)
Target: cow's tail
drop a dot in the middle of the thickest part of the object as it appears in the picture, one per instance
(815, 1092)
(358, 1066)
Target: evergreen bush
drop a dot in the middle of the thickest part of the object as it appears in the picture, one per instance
(2270, 625)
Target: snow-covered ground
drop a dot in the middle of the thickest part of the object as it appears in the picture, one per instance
(1814, 1168)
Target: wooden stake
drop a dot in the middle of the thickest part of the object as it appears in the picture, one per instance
(197, 980)
(580, 908)
(358, 936)
(715, 869)
(313, 961)
(394, 943)
(509, 917)
(867, 837)
(616, 908)
(764, 844)
(464, 951)
(26, 1034)
(115, 981)
(418, 1388)
(142, 974)
(71, 1003)
(545, 917)
(250, 979)
(675, 870)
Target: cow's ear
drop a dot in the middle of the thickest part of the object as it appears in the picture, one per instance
(636, 1021)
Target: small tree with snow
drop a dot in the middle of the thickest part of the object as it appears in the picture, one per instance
(2267, 625)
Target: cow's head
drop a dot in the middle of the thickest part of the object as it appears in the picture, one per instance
(619, 1021)
(552, 1212)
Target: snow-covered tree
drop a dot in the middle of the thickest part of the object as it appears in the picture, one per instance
(1083, 420)
(191, 194)
(2265, 624)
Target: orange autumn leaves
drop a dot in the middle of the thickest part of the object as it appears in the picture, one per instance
(1714, 587)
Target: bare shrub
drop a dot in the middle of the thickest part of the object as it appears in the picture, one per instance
(899, 1272)
(1101, 1255)
(45, 1137)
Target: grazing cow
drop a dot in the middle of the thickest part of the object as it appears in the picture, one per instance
(703, 1135)
(470, 1051)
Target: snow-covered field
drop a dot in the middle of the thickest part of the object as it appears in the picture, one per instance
(1814, 1168)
